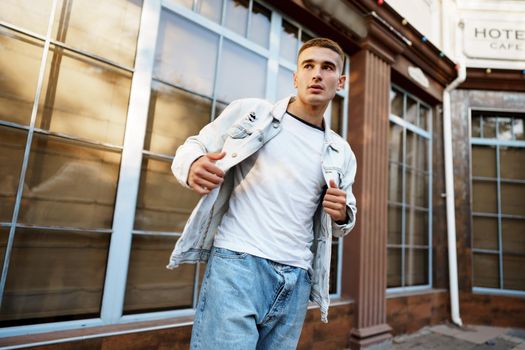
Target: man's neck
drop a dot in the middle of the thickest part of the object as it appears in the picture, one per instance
(311, 114)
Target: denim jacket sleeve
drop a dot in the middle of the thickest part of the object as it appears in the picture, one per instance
(346, 185)
(210, 139)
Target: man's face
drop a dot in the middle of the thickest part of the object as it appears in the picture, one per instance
(318, 75)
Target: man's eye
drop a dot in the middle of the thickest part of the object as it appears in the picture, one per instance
(307, 66)
(329, 68)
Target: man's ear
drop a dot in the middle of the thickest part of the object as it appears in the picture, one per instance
(295, 80)
(341, 82)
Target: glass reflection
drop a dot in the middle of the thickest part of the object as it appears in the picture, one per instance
(424, 117)
(260, 25)
(173, 116)
(513, 276)
(20, 58)
(285, 83)
(395, 224)
(411, 112)
(336, 118)
(150, 286)
(513, 198)
(162, 203)
(485, 232)
(505, 128)
(484, 197)
(211, 9)
(69, 185)
(417, 151)
(242, 73)
(12, 146)
(489, 127)
(195, 69)
(394, 267)
(4, 236)
(485, 270)
(416, 227)
(517, 126)
(71, 86)
(395, 183)
(416, 188)
(484, 161)
(512, 160)
(289, 41)
(513, 237)
(107, 29)
(416, 266)
(476, 126)
(395, 143)
(237, 15)
(396, 103)
(27, 14)
(54, 276)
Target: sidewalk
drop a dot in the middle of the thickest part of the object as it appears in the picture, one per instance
(449, 337)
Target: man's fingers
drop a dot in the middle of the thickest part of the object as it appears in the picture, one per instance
(335, 192)
(206, 175)
(212, 168)
(334, 206)
(335, 199)
(333, 184)
(205, 184)
(216, 155)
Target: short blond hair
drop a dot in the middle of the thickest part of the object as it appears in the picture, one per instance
(323, 42)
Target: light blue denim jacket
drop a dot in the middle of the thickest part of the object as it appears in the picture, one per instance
(242, 129)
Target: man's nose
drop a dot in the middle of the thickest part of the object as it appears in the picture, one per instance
(317, 73)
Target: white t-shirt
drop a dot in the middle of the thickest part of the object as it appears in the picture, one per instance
(276, 193)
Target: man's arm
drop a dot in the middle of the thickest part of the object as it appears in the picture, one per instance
(207, 143)
(340, 202)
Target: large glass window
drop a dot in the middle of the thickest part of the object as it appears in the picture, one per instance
(60, 152)
(498, 201)
(409, 192)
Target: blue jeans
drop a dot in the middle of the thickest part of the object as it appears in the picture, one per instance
(247, 302)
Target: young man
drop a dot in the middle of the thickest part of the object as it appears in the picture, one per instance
(276, 184)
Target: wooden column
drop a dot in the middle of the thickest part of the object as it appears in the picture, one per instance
(365, 255)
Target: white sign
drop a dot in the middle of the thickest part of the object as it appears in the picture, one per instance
(495, 40)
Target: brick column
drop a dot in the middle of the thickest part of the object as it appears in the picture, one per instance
(365, 254)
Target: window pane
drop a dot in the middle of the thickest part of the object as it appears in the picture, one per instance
(513, 235)
(411, 112)
(186, 54)
(334, 260)
(416, 267)
(395, 183)
(12, 146)
(513, 199)
(395, 143)
(4, 236)
(237, 15)
(211, 9)
(173, 116)
(417, 151)
(394, 267)
(305, 37)
(424, 117)
(185, 3)
(484, 161)
(336, 118)
(219, 107)
(394, 225)
(107, 29)
(72, 85)
(485, 233)
(484, 197)
(396, 103)
(242, 73)
(69, 185)
(285, 83)
(27, 14)
(416, 227)
(517, 125)
(20, 58)
(489, 127)
(476, 126)
(150, 286)
(513, 276)
(289, 40)
(505, 128)
(416, 189)
(162, 203)
(260, 24)
(54, 276)
(486, 270)
(512, 161)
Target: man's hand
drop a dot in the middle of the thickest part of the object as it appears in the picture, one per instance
(204, 175)
(334, 203)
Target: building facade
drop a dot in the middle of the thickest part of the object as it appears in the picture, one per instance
(97, 95)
